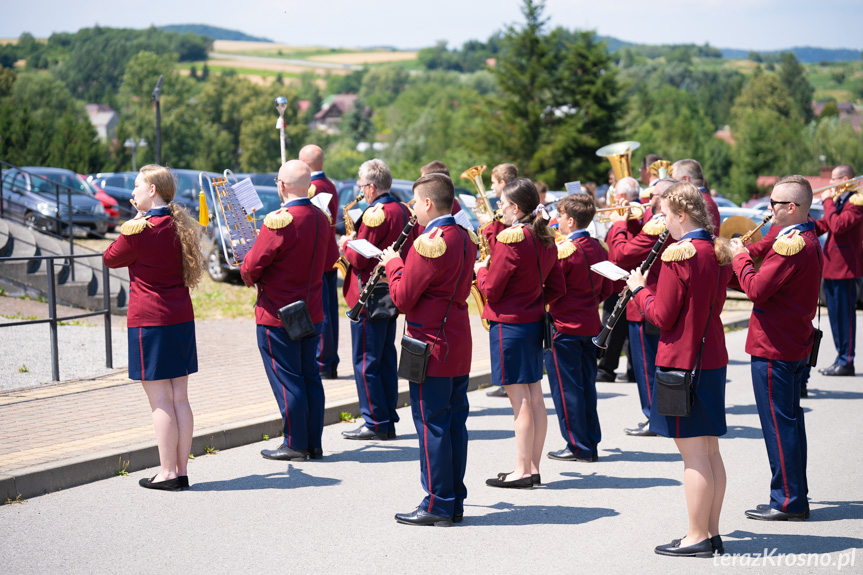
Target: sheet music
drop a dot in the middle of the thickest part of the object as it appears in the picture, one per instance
(247, 195)
(573, 188)
(467, 201)
(355, 214)
(609, 270)
(365, 248)
(322, 201)
(462, 220)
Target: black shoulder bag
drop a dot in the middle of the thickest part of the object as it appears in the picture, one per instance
(295, 316)
(414, 360)
(547, 321)
(675, 391)
(380, 306)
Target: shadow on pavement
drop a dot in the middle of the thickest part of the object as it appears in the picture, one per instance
(509, 514)
(482, 411)
(291, 478)
(748, 409)
(596, 481)
(742, 432)
(617, 454)
(740, 542)
(367, 452)
(826, 394)
(489, 434)
(837, 510)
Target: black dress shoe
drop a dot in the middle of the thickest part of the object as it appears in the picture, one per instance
(841, 370)
(566, 455)
(332, 374)
(535, 478)
(523, 483)
(716, 543)
(602, 377)
(624, 378)
(391, 434)
(498, 391)
(316, 453)
(457, 517)
(771, 514)
(701, 549)
(167, 485)
(640, 431)
(285, 453)
(364, 433)
(421, 517)
(184, 482)
(765, 507)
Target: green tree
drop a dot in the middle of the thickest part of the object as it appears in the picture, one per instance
(793, 76)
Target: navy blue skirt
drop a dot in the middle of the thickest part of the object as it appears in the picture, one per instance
(162, 352)
(708, 409)
(516, 352)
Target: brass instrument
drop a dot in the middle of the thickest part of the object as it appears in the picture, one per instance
(839, 189)
(747, 237)
(342, 264)
(619, 155)
(483, 206)
(660, 169)
(743, 228)
(238, 225)
(632, 212)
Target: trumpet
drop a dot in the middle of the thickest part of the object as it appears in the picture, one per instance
(342, 264)
(839, 189)
(632, 212)
(482, 206)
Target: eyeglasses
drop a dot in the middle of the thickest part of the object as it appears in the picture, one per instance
(277, 180)
(774, 203)
(361, 186)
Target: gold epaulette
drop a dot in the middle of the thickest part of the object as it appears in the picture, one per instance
(136, 226)
(312, 190)
(565, 249)
(430, 244)
(654, 227)
(279, 219)
(856, 199)
(646, 192)
(473, 237)
(789, 244)
(511, 235)
(677, 252)
(603, 244)
(373, 217)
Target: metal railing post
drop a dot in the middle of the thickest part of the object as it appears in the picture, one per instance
(71, 234)
(52, 310)
(106, 295)
(1, 191)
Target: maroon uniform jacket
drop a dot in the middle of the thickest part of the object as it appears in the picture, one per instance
(784, 293)
(577, 313)
(511, 282)
(843, 250)
(422, 287)
(324, 186)
(285, 262)
(490, 232)
(629, 251)
(759, 249)
(157, 295)
(382, 235)
(680, 305)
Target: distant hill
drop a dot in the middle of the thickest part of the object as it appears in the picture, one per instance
(806, 54)
(213, 32)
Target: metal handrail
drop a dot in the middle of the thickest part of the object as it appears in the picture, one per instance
(53, 320)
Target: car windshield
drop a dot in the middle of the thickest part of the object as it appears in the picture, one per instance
(47, 186)
(271, 203)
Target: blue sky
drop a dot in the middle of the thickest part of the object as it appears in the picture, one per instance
(745, 24)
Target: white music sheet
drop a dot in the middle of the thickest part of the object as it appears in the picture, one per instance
(609, 270)
(247, 195)
(365, 248)
(322, 201)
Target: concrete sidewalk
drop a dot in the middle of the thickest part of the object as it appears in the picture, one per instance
(247, 514)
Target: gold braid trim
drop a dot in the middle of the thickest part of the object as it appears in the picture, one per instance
(511, 235)
(473, 237)
(856, 199)
(312, 190)
(654, 227)
(136, 226)
(279, 219)
(373, 217)
(603, 244)
(430, 244)
(789, 244)
(677, 252)
(565, 249)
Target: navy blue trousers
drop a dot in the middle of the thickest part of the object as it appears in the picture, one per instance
(440, 408)
(643, 348)
(376, 371)
(328, 342)
(777, 396)
(293, 373)
(841, 305)
(571, 368)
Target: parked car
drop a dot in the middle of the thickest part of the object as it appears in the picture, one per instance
(724, 202)
(118, 185)
(259, 179)
(109, 203)
(39, 197)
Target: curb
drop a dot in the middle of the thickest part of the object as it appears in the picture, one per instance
(55, 476)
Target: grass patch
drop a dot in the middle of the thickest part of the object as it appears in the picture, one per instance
(18, 499)
(264, 437)
(77, 322)
(20, 316)
(24, 369)
(346, 417)
(124, 466)
(241, 70)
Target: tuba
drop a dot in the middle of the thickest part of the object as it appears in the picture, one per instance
(619, 155)
(342, 264)
(483, 206)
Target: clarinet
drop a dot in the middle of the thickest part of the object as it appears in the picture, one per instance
(601, 341)
(354, 313)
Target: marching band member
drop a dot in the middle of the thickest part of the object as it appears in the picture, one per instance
(784, 292)
(373, 342)
(436, 167)
(685, 304)
(628, 248)
(431, 286)
(521, 276)
(160, 247)
(690, 171)
(571, 364)
(843, 265)
(285, 270)
(328, 342)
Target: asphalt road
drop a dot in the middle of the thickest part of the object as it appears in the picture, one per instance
(246, 514)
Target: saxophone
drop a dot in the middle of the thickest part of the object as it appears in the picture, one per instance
(342, 264)
(482, 207)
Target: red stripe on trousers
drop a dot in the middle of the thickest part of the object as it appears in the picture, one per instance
(644, 363)
(562, 398)
(284, 389)
(426, 442)
(776, 429)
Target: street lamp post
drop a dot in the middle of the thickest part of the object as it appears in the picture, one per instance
(281, 106)
(131, 143)
(156, 93)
